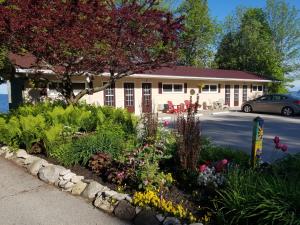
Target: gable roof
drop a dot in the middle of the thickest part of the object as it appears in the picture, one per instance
(27, 61)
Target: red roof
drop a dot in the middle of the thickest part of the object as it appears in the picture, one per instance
(189, 71)
(27, 61)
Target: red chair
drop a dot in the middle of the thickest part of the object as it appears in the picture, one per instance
(171, 108)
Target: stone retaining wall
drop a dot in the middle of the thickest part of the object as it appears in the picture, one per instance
(100, 196)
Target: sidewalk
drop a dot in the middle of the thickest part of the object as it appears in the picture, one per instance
(25, 200)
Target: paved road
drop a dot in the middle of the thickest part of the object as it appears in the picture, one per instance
(235, 129)
(25, 200)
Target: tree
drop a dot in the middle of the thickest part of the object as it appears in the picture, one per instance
(251, 48)
(5, 66)
(78, 37)
(199, 33)
(284, 22)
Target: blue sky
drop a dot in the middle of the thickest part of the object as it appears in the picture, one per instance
(219, 9)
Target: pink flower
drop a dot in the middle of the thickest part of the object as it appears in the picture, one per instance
(166, 123)
(278, 146)
(220, 165)
(276, 140)
(284, 148)
(202, 168)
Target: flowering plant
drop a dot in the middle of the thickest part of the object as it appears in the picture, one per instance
(211, 175)
(278, 145)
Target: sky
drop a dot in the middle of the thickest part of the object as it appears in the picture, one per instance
(219, 9)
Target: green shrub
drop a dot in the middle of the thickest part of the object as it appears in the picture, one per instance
(10, 131)
(252, 197)
(213, 153)
(32, 129)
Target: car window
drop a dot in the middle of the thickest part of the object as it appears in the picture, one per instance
(279, 97)
(265, 98)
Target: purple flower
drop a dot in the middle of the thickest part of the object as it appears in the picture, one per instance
(276, 140)
(284, 148)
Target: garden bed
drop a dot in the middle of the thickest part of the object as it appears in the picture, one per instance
(177, 173)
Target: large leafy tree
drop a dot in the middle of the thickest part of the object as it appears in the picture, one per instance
(199, 33)
(251, 48)
(284, 22)
(81, 37)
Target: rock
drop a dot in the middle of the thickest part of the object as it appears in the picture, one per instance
(69, 176)
(104, 204)
(78, 188)
(196, 224)
(128, 198)
(160, 217)
(64, 172)
(171, 221)
(137, 210)
(5, 149)
(8, 155)
(119, 197)
(69, 185)
(31, 159)
(124, 210)
(146, 217)
(110, 193)
(57, 183)
(49, 174)
(19, 161)
(92, 189)
(22, 154)
(36, 166)
(76, 179)
(62, 183)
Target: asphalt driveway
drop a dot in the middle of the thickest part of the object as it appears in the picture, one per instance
(234, 129)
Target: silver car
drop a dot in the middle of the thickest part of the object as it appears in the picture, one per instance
(285, 104)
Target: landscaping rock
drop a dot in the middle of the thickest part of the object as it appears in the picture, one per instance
(76, 179)
(128, 198)
(196, 224)
(19, 161)
(8, 155)
(36, 166)
(104, 204)
(124, 210)
(137, 210)
(31, 159)
(171, 221)
(64, 172)
(160, 217)
(69, 176)
(69, 185)
(62, 183)
(146, 217)
(4, 149)
(49, 174)
(92, 189)
(78, 188)
(22, 154)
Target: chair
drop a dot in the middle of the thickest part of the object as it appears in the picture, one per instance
(171, 108)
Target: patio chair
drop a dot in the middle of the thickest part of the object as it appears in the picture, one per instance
(171, 108)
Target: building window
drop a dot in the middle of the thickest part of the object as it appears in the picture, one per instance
(172, 88)
(109, 95)
(210, 88)
(257, 88)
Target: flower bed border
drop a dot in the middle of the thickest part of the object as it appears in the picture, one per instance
(103, 198)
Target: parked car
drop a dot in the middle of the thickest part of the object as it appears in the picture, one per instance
(286, 104)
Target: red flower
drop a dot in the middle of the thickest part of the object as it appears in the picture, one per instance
(202, 168)
(220, 165)
(276, 140)
(284, 148)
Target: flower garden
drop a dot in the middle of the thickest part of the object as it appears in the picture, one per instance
(176, 172)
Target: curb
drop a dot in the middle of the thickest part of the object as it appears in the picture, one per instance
(220, 113)
(103, 198)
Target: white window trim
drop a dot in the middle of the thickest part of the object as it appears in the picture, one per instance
(172, 92)
(257, 85)
(209, 91)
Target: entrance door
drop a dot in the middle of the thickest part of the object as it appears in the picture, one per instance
(245, 93)
(236, 95)
(227, 95)
(146, 97)
(129, 97)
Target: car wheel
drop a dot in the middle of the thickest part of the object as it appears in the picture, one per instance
(287, 111)
(247, 109)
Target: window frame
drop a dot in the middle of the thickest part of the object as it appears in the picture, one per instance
(257, 85)
(209, 89)
(173, 89)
